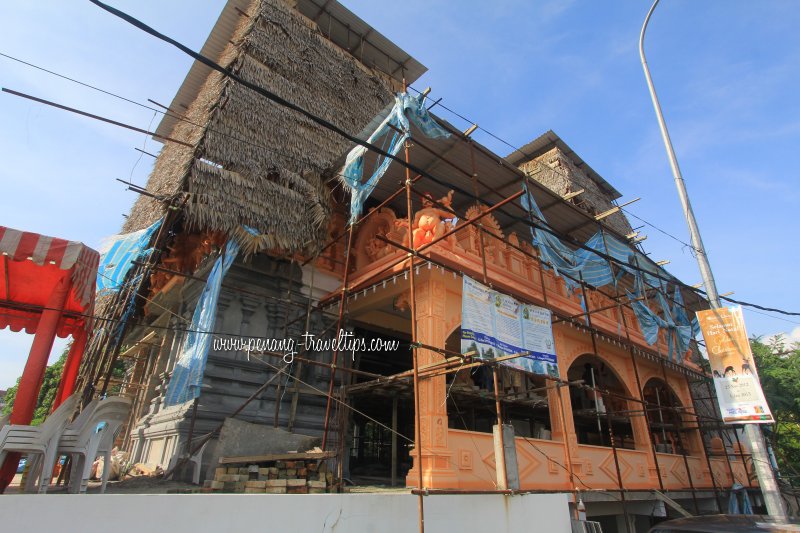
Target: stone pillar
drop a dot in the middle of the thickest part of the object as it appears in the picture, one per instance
(557, 430)
(438, 463)
(159, 377)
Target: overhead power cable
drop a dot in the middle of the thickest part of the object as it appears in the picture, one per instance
(73, 80)
(168, 113)
(462, 117)
(332, 127)
(517, 149)
(677, 239)
(556, 171)
(90, 115)
(184, 119)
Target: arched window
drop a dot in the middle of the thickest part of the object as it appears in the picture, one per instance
(666, 422)
(523, 397)
(596, 415)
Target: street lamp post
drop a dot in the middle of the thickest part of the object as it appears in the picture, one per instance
(762, 465)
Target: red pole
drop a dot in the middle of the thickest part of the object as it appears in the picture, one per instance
(32, 376)
(69, 374)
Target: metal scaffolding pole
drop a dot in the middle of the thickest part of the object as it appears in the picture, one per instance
(639, 387)
(607, 408)
(414, 350)
(761, 463)
(342, 305)
(720, 508)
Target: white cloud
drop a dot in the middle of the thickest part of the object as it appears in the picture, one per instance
(788, 337)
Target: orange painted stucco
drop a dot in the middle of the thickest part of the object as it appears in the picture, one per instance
(458, 459)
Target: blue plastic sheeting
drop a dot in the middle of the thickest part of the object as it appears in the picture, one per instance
(686, 329)
(590, 265)
(679, 329)
(118, 254)
(738, 490)
(563, 260)
(187, 377)
(405, 107)
(649, 322)
(578, 264)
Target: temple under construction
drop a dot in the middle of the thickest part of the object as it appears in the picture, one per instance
(260, 223)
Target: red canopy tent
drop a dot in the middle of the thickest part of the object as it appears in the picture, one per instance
(47, 288)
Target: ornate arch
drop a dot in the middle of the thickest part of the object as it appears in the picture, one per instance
(681, 393)
(612, 366)
(368, 247)
(670, 439)
(470, 239)
(630, 433)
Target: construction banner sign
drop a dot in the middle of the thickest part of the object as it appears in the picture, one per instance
(741, 399)
(495, 325)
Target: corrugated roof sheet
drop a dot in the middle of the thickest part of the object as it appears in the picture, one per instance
(547, 142)
(351, 33)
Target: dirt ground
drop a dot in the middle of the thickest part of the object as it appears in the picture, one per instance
(134, 485)
(141, 485)
(159, 485)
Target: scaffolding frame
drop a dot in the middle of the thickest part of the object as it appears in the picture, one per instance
(105, 347)
(416, 258)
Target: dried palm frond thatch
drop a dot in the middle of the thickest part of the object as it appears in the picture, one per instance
(256, 163)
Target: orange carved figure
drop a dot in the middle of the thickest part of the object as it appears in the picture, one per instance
(431, 222)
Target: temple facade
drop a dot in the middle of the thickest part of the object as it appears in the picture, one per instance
(623, 411)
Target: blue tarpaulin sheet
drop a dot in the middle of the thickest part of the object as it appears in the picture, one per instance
(589, 263)
(394, 130)
(187, 377)
(118, 254)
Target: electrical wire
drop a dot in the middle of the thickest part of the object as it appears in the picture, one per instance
(181, 118)
(142, 151)
(277, 369)
(666, 233)
(670, 235)
(332, 127)
(266, 148)
(80, 83)
(556, 171)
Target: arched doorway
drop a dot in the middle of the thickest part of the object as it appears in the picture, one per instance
(595, 415)
(666, 420)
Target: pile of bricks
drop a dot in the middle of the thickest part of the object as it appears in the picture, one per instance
(275, 477)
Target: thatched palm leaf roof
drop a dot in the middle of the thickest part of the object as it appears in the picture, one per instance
(256, 163)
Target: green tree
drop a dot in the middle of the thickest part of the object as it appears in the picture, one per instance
(779, 371)
(52, 378)
(47, 394)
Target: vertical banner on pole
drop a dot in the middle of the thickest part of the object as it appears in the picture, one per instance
(741, 399)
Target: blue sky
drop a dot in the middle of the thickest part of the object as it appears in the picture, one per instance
(726, 72)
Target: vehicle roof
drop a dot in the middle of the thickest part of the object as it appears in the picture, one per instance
(729, 524)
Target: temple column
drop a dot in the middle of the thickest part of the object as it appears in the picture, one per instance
(438, 466)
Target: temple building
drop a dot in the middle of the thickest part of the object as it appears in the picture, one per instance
(261, 223)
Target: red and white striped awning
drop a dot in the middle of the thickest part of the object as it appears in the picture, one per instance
(31, 265)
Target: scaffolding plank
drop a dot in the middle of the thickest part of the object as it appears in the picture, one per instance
(275, 457)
